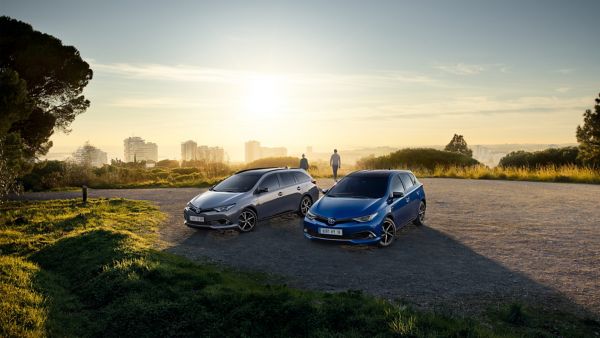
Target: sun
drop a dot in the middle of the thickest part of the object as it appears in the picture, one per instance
(263, 96)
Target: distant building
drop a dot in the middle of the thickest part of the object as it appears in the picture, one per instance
(136, 149)
(210, 154)
(252, 151)
(255, 151)
(189, 150)
(90, 155)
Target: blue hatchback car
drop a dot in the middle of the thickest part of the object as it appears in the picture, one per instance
(367, 207)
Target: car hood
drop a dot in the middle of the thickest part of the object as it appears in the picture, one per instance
(213, 199)
(342, 207)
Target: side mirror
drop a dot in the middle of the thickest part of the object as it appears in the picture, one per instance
(261, 190)
(324, 191)
(397, 194)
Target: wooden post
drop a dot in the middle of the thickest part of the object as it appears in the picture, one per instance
(84, 194)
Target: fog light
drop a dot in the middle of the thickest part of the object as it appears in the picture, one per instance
(305, 230)
(371, 235)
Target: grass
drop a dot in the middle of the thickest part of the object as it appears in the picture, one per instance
(95, 270)
(567, 173)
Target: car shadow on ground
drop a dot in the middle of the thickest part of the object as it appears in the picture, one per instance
(424, 267)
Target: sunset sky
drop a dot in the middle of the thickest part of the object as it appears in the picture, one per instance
(343, 74)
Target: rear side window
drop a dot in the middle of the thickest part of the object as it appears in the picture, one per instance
(397, 184)
(301, 177)
(271, 182)
(413, 178)
(286, 179)
(406, 181)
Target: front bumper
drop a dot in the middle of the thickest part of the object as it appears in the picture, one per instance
(352, 232)
(212, 219)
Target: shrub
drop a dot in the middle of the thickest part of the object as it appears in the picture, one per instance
(417, 158)
(287, 161)
(549, 157)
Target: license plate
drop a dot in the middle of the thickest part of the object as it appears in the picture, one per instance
(327, 231)
(196, 219)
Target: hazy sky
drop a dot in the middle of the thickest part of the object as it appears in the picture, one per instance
(326, 73)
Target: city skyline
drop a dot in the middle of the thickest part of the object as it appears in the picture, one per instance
(399, 74)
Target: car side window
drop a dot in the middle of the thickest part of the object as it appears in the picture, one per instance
(271, 182)
(286, 179)
(300, 177)
(413, 179)
(397, 184)
(406, 181)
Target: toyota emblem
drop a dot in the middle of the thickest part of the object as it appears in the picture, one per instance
(331, 221)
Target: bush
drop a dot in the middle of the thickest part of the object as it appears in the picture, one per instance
(549, 157)
(185, 171)
(287, 161)
(417, 158)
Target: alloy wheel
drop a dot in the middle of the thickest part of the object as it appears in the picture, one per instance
(305, 204)
(388, 232)
(247, 220)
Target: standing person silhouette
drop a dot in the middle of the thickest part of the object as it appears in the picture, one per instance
(304, 163)
(335, 162)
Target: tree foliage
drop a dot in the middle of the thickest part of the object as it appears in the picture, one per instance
(41, 85)
(537, 159)
(459, 145)
(588, 136)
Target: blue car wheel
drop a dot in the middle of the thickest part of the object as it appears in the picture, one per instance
(388, 232)
(420, 220)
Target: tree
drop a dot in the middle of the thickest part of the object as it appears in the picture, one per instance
(41, 85)
(588, 136)
(459, 145)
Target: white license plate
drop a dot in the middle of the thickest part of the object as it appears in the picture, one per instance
(196, 219)
(327, 231)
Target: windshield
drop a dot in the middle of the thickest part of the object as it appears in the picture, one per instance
(237, 183)
(360, 187)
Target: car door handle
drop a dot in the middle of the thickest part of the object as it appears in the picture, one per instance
(298, 188)
(280, 194)
(408, 199)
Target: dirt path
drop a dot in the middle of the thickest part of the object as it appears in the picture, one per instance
(485, 242)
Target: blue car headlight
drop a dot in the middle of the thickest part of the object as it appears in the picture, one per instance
(363, 219)
(224, 208)
(310, 215)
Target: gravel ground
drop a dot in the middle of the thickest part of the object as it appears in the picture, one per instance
(485, 242)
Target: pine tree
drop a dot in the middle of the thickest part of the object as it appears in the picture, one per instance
(588, 136)
(459, 145)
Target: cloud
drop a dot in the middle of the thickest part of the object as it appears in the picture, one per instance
(461, 69)
(187, 73)
(563, 89)
(163, 102)
(464, 106)
(565, 71)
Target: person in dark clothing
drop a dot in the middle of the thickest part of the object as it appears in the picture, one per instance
(304, 163)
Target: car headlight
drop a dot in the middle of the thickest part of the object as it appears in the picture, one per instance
(363, 219)
(224, 208)
(310, 215)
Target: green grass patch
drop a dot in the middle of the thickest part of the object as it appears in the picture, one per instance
(72, 270)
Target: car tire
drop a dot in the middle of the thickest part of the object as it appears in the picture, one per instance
(420, 220)
(247, 220)
(305, 204)
(388, 232)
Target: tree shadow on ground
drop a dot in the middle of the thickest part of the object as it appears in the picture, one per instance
(424, 267)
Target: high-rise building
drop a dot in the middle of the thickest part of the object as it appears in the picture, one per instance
(210, 154)
(255, 151)
(90, 155)
(252, 151)
(189, 150)
(136, 149)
